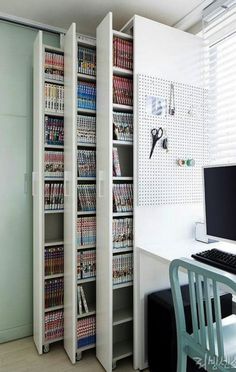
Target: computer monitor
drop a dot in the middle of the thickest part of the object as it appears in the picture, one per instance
(220, 201)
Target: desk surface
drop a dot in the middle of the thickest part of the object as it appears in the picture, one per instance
(169, 251)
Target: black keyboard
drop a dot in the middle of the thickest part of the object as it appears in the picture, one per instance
(215, 257)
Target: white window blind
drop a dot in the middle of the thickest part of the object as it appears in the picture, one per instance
(219, 31)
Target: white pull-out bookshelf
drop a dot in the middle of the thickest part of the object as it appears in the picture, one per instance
(80, 306)
(48, 213)
(114, 291)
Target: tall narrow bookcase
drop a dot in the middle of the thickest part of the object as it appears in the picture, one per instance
(80, 194)
(48, 194)
(114, 195)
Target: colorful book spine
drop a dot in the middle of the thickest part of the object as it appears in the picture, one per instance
(86, 93)
(54, 260)
(116, 163)
(54, 325)
(122, 126)
(53, 131)
(122, 229)
(122, 268)
(122, 90)
(86, 162)
(86, 198)
(54, 164)
(54, 66)
(53, 196)
(86, 129)
(123, 197)
(54, 292)
(123, 53)
(86, 61)
(86, 331)
(86, 264)
(86, 231)
(54, 98)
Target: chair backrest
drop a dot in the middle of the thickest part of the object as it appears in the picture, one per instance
(204, 282)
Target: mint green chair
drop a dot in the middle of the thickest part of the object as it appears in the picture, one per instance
(212, 344)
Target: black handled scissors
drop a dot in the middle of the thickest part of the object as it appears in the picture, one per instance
(156, 135)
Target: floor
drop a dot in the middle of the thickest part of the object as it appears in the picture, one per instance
(21, 356)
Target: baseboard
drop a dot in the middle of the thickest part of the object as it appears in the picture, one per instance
(15, 333)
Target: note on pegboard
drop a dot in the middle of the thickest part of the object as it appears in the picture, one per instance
(160, 179)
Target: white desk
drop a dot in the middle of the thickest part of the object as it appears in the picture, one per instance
(152, 274)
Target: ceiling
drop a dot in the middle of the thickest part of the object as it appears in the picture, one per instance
(88, 13)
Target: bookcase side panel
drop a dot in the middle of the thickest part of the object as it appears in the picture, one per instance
(104, 193)
(70, 197)
(37, 191)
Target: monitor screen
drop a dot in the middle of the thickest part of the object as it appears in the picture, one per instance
(220, 201)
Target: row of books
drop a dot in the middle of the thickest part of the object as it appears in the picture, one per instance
(54, 60)
(54, 196)
(116, 162)
(86, 162)
(86, 231)
(86, 95)
(54, 164)
(86, 264)
(82, 301)
(122, 90)
(86, 129)
(122, 126)
(54, 98)
(86, 331)
(54, 260)
(86, 60)
(123, 197)
(53, 131)
(122, 231)
(86, 198)
(54, 325)
(122, 268)
(54, 292)
(123, 53)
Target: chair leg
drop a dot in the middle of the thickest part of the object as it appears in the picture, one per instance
(181, 360)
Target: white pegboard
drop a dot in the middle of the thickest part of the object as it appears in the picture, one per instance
(160, 179)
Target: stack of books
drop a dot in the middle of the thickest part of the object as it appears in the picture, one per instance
(86, 264)
(116, 162)
(53, 131)
(54, 325)
(122, 91)
(86, 331)
(86, 129)
(86, 95)
(122, 126)
(122, 268)
(86, 198)
(86, 61)
(54, 260)
(123, 53)
(86, 231)
(54, 292)
(54, 196)
(123, 197)
(122, 233)
(54, 66)
(86, 163)
(54, 164)
(54, 98)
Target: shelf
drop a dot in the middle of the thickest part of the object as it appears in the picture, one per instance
(122, 349)
(122, 71)
(81, 144)
(89, 246)
(122, 214)
(51, 113)
(54, 308)
(86, 111)
(53, 179)
(86, 280)
(54, 211)
(122, 178)
(87, 41)
(86, 213)
(122, 143)
(86, 77)
(122, 35)
(47, 342)
(87, 347)
(53, 49)
(53, 243)
(51, 81)
(122, 250)
(122, 316)
(122, 285)
(86, 178)
(54, 147)
(92, 311)
(118, 107)
(54, 276)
